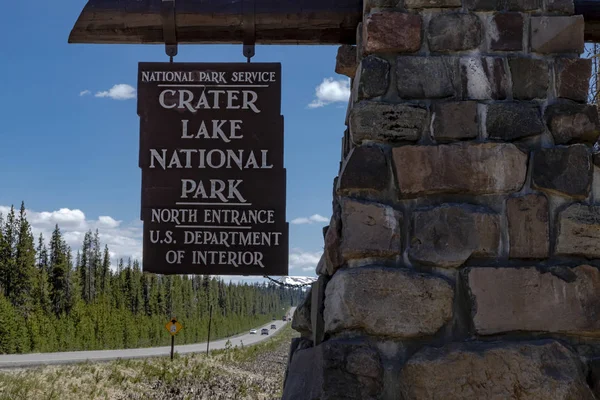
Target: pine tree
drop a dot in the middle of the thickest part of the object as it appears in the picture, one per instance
(105, 271)
(41, 292)
(7, 256)
(59, 274)
(24, 274)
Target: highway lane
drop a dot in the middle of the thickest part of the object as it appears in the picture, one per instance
(69, 357)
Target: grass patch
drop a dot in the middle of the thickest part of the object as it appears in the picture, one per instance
(223, 371)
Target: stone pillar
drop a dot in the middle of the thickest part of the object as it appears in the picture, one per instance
(461, 261)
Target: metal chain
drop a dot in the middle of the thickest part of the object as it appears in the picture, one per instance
(287, 284)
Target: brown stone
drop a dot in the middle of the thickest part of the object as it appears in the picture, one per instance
(506, 32)
(449, 235)
(526, 299)
(484, 78)
(334, 370)
(392, 32)
(566, 171)
(557, 34)
(383, 122)
(392, 302)
(485, 168)
(455, 120)
(528, 226)
(579, 231)
(345, 61)
(366, 171)
(413, 77)
(454, 32)
(542, 370)
(369, 230)
(573, 123)
(431, 3)
(572, 77)
(529, 77)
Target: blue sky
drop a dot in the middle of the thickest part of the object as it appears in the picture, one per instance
(73, 158)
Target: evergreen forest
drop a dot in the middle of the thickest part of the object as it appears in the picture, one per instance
(52, 300)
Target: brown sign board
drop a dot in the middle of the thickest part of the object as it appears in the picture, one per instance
(213, 182)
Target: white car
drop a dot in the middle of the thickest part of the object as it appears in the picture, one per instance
(253, 331)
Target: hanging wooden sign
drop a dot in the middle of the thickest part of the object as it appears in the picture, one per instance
(213, 182)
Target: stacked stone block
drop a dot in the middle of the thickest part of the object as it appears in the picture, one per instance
(461, 261)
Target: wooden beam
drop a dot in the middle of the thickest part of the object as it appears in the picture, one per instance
(590, 9)
(218, 21)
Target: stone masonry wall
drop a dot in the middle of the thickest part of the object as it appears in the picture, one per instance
(462, 258)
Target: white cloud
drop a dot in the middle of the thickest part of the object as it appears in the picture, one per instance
(301, 260)
(331, 91)
(84, 92)
(108, 222)
(310, 220)
(121, 91)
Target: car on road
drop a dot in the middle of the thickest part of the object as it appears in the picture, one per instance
(264, 331)
(273, 326)
(253, 331)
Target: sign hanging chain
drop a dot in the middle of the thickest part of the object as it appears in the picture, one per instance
(169, 28)
(249, 23)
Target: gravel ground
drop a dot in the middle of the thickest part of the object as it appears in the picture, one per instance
(250, 373)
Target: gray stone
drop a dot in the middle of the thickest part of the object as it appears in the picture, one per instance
(573, 123)
(526, 299)
(301, 320)
(345, 61)
(392, 32)
(455, 120)
(566, 171)
(506, 31)
(372, 79)
(561, 6)
(557, 34)
(579, 231)
(449, 235)
(572, 77)
(431, 3)
(413, 76)
(484, 5)
(335, 370)
(484, 78)
(542, 370)
(383, 122)
(528, 226)
(454, 32)
(485, 168)
(529, 78)
(333, 258)
(511, 121)
(392, 302)
(524, 5)
(369, 230)
(366, 171)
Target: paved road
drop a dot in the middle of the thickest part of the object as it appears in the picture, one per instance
(29, 360)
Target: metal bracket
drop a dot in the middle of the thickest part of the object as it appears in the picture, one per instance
(167, 12)
(249, 13)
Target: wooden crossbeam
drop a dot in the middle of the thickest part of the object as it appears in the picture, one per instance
(217, 21)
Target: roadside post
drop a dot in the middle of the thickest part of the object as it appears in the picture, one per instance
(173, 327)
(209, 323)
